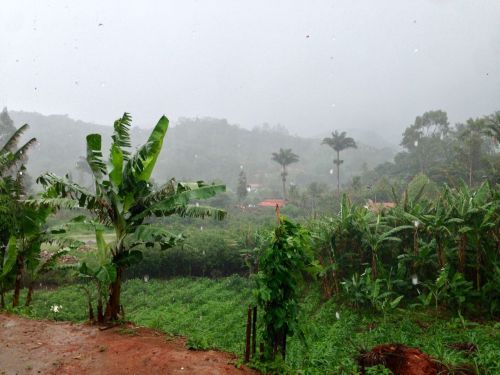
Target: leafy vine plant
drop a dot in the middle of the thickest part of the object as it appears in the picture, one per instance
(282, 267)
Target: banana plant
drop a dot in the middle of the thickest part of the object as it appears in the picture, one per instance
(125, 198)
(27, 236)
(437, 223)
(375, 233)
(476, 214)
(7, 261)
(99, 270)
(36, 266)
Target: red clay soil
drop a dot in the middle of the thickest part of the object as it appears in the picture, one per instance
(45, 347)
(403, 360)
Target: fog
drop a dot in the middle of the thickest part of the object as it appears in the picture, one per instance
(312, 66)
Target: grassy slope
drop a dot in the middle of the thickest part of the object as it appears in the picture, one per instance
(212, 314)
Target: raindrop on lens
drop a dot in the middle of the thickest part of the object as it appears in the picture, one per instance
(414, 279)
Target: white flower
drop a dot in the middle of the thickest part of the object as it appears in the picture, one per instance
(55, 308)
(337, 315)
(146, 278)
(416, 223)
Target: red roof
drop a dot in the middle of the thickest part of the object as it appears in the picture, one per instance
(271, 203)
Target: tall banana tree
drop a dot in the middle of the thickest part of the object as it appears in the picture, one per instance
(125, 198)
(284, 157)
(27, 237)
(475, 215)
(339, 142)
(11, 191)
(375, 233)
(437, 223)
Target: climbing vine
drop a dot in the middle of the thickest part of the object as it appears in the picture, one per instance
(282, 267)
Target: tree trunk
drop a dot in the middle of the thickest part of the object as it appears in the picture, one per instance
(478, 264)
(91, 312)
(100, 315)
(461, 252)
(374, 266)
(29, 296)
(338, 173)
(113, 306)
(283, 180)
(2, 299)
(415, 250)
(440, 253)
(19, 279)
(470, 162)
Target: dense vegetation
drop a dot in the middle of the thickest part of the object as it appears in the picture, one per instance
(193, 308)
(408, 252)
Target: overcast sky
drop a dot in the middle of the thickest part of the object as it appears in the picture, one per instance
(312, 66)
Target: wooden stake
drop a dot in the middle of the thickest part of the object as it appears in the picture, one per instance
(249, 332)
(254, 332)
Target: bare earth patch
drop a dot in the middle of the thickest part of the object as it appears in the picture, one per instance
(45, 347)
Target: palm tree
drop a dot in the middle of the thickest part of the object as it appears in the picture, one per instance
(339, 142)
(125, 198)
(284, 158)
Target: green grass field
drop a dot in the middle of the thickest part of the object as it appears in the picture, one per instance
(212, 314)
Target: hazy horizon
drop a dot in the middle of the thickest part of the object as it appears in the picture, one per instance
(311, 66)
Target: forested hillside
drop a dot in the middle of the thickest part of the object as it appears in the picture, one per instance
(205, 148)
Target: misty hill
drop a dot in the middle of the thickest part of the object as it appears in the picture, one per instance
(201, 148)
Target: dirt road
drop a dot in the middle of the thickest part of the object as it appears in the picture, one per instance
(45, 347)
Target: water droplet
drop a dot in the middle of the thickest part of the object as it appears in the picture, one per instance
(414, 279)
